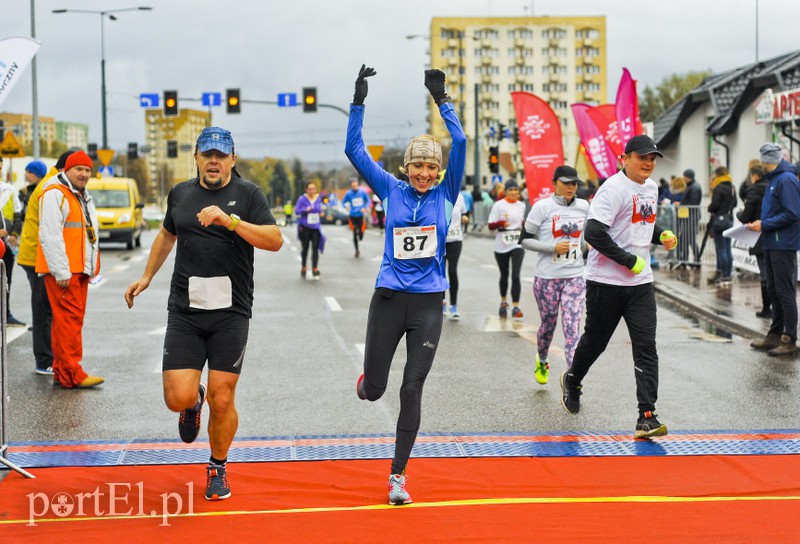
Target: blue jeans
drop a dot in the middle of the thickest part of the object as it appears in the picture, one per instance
(722, 246)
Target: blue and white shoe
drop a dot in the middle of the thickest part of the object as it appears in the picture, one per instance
(454, 313)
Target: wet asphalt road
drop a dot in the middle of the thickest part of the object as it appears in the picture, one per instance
(305, 353)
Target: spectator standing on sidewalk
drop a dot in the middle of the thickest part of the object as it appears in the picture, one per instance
(723, 202)
(687, 232)
(752, 212)
(780, 228)
(11, 217)
(620, 228)
(68, 256)
(41, 313)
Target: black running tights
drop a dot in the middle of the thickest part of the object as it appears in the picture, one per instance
(515, 256)
(393, 314)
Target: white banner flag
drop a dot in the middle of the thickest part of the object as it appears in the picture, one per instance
(16, 53)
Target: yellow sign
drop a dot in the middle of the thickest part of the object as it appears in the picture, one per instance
(9, 148)
(375, 151)
(105, 156)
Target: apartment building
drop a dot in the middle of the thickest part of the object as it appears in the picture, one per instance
(21, 124)
(560, 59)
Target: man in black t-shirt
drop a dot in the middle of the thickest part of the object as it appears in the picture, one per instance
(217, 219)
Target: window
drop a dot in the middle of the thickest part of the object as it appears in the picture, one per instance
(487, 34)
(554, 34)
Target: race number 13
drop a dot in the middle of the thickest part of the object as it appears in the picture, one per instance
(414, 242)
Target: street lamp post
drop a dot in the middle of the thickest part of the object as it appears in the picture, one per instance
(111, 16)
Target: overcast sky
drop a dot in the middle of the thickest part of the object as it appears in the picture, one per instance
(267, 47)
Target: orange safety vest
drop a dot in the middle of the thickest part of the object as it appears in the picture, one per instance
(74, 235)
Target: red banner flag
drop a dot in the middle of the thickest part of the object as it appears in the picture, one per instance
(605, 119)
(600, 154)
(627, 108)
(540, 143)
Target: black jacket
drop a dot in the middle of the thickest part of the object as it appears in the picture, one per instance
(723, 199)
(752, 210)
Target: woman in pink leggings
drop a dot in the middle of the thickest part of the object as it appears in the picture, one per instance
(554, 229)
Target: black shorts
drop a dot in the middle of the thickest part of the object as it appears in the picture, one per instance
(194, 338)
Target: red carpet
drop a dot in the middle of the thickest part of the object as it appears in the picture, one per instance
(610, 499)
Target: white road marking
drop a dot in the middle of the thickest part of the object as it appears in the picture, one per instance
(332, 304)
(361, 348)
(120, 267)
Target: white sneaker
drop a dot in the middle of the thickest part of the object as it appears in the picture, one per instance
(398, 495)
(454, 313)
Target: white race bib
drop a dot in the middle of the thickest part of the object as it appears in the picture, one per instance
(312, 218)
(571, 256)
(357, 202)
(210, 293)
(510, 237)
(415, 242)
(454, 231)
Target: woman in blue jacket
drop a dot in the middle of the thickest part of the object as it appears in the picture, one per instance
(408, 291)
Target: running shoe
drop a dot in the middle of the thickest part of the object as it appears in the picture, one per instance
(542, 371)
(454, 313)
(362, 394)
(570, 395)
(315, 273)
(12, 321)
(44, 371)
(358, 253)
(648, 426)
(398, 495)
(189, 422)
(516, 312)
(303, 272)
(217, 487)
(503, 309)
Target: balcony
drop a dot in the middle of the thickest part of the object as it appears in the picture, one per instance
(485, 43)
(519, 60)
(486, 61)
(486, 78)
(587, 60)
(452, 43)
(553, 43)
(519, 43)
(452, 61)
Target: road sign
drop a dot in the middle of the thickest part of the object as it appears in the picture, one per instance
(10, 148)
(375, 151)
(497, 178)
(105, 156)
(107, 171)
(287, 100)
(211, 99)
(149, 100)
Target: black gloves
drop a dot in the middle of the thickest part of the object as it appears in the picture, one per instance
(361, 83)
(434, 81)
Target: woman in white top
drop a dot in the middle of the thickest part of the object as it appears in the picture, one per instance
(554, 229)
(455, 237)
(506, 217)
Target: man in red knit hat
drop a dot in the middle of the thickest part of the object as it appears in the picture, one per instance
(68, 256)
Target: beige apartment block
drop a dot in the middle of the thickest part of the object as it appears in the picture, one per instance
(562, 60)
(183, 129)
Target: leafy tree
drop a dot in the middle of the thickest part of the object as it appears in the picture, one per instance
(654, 102)
(299, 178)
(281, 184)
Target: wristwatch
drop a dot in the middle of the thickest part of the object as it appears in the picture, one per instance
(234, 221)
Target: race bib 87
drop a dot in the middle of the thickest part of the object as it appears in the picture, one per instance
(414, 242)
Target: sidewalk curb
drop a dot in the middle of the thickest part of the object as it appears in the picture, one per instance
(738, 320)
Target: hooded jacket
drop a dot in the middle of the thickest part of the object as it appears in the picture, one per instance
(780, 210)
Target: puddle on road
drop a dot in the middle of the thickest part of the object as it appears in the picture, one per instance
(707, 330)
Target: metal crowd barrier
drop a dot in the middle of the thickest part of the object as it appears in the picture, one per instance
(689, 225)
(4, 395)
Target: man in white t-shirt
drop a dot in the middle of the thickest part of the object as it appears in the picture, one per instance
(619, 281)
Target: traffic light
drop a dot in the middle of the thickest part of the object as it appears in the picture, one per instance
(494, 160)
(234, 104)
(502, 132)
(172, 149)
(309, 99)
(170, 103)
(133, 151)
(91, 150)
(516, 134)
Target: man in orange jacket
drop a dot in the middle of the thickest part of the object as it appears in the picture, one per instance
(68, 255)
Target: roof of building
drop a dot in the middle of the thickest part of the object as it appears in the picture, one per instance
(730, 93)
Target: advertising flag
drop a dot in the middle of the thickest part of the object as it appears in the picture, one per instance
(593, 140)
(540, 143)
(605, 119)
(626, 107)
(16, 53)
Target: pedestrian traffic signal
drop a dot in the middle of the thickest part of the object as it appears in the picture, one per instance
(309, 99)
(133, 151)
(234, 105)
(170, 103)
(91, 150)
(172, 149)
(502, 132)
(494, 160)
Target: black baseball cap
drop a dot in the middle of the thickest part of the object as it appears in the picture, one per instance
(642, 145)
(567, 174)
